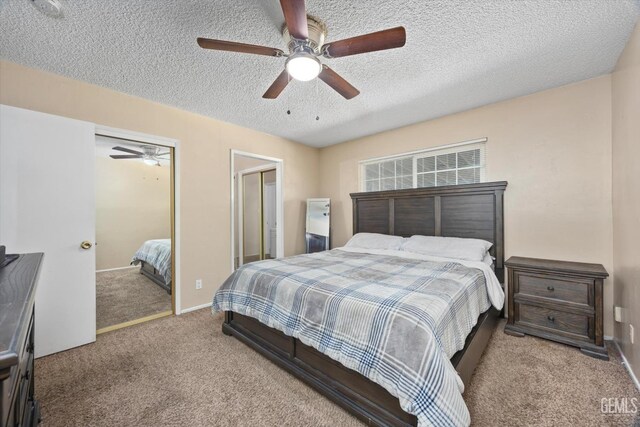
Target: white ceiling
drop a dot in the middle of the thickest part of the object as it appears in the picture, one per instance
(459, 55)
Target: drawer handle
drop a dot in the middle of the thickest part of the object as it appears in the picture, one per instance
(550, 288)
(551, 318)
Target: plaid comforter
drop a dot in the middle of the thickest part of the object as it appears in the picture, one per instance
(395, 320)
(156, 253)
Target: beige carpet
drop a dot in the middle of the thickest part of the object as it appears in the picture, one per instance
(182, 371)
(125, 295)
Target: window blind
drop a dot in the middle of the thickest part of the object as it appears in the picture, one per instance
(459, 164)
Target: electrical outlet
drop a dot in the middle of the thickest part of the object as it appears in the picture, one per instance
(617, 314)
(199, 284)
(631, 333)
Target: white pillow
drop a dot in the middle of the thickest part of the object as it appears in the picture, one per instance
(448, 247)
(375, 241)
(488, 259)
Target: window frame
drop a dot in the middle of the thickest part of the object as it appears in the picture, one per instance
(429, 152)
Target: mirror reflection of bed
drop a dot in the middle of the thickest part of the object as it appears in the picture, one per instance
(133, 234)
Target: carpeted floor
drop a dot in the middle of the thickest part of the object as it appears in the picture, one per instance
(124, 295)
(182, 371)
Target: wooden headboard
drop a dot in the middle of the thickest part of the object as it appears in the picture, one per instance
(470, 210)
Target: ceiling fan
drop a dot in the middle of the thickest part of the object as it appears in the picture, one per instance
(151, 155)
(305, 38)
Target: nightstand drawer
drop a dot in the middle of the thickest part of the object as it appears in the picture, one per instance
(575, 290)
(561, 321)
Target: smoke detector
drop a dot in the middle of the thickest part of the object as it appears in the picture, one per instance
(50, 8)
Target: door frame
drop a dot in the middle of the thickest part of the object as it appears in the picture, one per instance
(279, 166)
(175, 145)
(240, 214)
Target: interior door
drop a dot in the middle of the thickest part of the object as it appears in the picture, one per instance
(47, 204)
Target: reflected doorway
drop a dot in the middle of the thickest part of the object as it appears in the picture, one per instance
(257, 214)
(256, 209)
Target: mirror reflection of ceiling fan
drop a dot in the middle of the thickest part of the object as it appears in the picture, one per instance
(304, 36)
(150, 154)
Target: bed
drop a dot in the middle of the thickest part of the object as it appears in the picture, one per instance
(154, 258)
(375, 385)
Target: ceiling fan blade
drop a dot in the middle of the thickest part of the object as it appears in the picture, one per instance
(128, 150)
(381, 40)
(339, 84)
(238, 47)
(295, 15)
(277, 86)
(126, 156)
(163, 154)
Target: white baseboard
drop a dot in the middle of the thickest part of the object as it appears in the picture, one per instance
(626, 364)
(197, 307)
(117, 268)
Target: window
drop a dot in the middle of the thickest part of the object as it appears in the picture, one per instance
(389, 174)
(453, 165)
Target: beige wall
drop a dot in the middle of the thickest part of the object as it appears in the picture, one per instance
(204, 150)
(554, 149)
(626, 195)
(133, 204)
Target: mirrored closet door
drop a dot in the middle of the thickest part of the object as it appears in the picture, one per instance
(134, 256)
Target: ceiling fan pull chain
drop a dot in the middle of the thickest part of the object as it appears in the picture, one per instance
(317, 102)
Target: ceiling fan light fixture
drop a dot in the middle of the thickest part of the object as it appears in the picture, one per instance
(50, 8)
(303, 66)
(150, 161)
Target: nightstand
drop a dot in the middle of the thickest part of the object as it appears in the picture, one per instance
(557, 300)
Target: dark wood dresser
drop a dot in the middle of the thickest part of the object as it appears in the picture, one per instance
(17, 293)
(559, 301)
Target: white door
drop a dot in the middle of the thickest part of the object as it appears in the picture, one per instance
(47, 204)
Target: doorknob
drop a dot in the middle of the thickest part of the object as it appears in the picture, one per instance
(86, 244)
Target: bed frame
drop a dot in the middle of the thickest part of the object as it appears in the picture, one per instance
(471, 211)
(150, 272)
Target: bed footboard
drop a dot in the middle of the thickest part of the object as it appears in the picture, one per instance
(349, 389)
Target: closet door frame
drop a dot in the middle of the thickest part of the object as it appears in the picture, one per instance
(174, 145)
(278, 165)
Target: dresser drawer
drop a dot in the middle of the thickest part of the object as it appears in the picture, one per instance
(560, 322)
(16, 390)
(8, 387)
(574, 290)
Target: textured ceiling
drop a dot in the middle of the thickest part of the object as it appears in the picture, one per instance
(459, 55)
